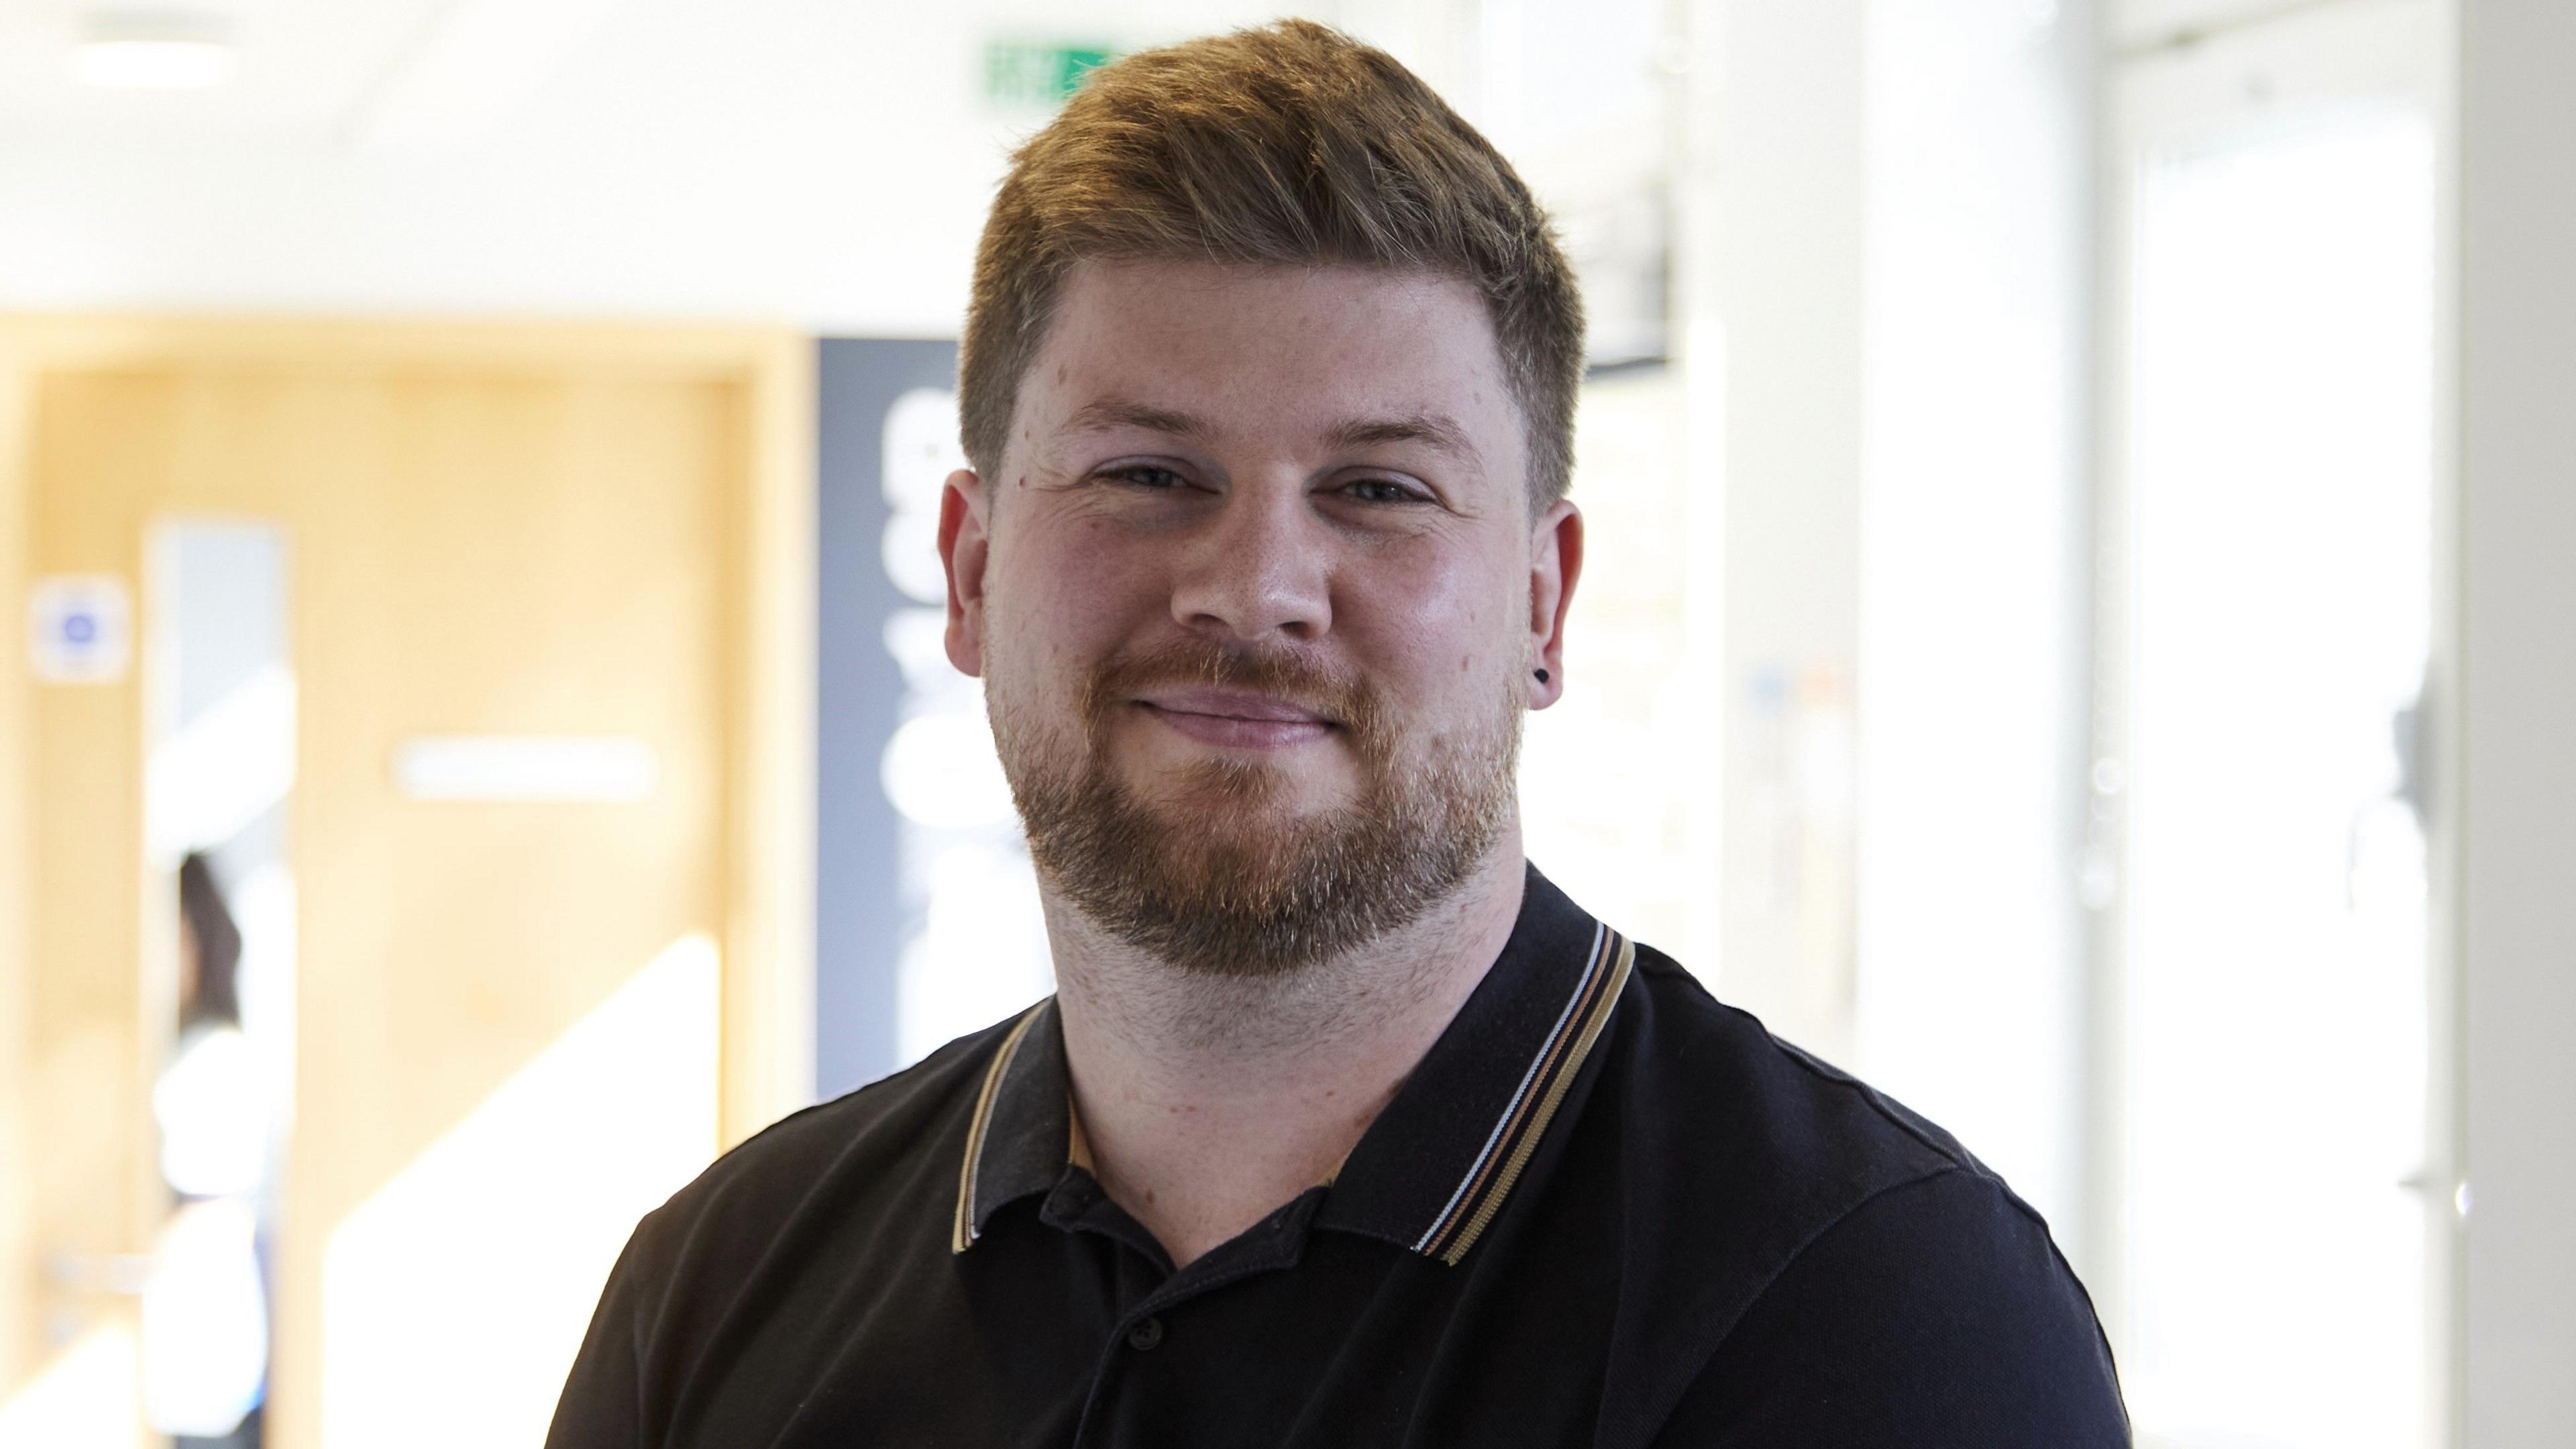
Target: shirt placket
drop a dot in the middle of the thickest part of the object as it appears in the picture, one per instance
(1272, 1245)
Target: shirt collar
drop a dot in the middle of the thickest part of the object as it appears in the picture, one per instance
(1021, 1137)
(1437, 1164)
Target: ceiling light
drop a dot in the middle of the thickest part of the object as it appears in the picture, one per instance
(153, 50)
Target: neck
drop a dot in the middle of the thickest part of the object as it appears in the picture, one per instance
(1207, 1102)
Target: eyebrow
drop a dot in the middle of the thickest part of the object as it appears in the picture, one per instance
(1440, 432)
(1110, 414)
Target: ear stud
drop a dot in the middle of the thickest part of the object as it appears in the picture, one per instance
(1542, 676)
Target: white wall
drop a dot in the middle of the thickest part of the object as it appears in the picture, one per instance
(1783, 244)
(1896, 258)
(2517, 897)
(1972, 627)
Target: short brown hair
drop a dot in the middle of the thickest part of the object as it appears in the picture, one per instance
(1291, 144)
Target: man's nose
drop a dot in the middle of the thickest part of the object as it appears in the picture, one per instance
(1259, 570)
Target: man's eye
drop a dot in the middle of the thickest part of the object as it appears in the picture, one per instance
(1146, 475)
(1383, 490)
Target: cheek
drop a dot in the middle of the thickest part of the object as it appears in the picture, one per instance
(1066, 592)
(1439, 622)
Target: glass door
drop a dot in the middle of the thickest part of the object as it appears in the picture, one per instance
(2267, 626)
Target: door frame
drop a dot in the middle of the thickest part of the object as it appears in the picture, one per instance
(767, 1031)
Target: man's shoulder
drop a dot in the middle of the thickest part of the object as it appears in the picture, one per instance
(894, 1140)
(1766, 1172)
(1713, 1073)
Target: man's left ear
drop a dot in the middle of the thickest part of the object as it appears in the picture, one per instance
(1556, 562)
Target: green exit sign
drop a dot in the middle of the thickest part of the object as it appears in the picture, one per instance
(1017, 73)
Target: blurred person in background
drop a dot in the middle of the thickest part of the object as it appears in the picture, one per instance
(1345, 1127)
(205, 1309)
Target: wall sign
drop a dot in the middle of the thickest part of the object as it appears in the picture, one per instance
(1038, 76)
(80, 629)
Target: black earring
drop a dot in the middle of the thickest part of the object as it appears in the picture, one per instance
(1542, 676)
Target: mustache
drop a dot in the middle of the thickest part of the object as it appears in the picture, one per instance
(1338, 695)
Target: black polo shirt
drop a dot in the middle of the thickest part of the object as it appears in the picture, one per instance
(1603, 1210)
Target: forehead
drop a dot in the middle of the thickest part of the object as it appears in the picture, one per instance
(1266, 352)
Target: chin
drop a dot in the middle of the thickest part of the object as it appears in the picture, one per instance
(1211, 793)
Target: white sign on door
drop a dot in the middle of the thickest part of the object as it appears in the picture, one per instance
(80, 629)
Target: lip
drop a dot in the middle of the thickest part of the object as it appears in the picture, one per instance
(1236, 719)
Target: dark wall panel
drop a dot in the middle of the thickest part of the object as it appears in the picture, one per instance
(859, 911)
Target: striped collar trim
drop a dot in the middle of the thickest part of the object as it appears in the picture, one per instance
(1542, 1090)
(975, 1196)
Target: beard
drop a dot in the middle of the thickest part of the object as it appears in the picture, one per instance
(1214, 877)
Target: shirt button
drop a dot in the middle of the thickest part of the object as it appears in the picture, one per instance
(1145, 1334)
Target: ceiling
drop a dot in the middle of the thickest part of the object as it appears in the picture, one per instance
(307, 70)
(822, 162)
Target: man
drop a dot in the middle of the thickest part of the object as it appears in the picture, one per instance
(1345, 1127)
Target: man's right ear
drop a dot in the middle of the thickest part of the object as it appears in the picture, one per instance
(964, 541)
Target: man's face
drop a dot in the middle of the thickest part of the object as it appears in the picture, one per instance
(1258, 600)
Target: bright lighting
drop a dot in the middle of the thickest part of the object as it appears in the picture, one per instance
(86, 1399)
(475, 1270)
(225, 769)
(2274, 1004)
(1609, 774)
(920, 451)
(214, 1122)
(152, 65)
(940, 771)
(982, 951)
(205, 1321)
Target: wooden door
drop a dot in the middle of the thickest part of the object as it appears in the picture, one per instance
(542, 831)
